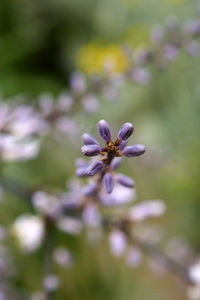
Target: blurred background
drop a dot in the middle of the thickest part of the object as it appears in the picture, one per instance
(41, 43)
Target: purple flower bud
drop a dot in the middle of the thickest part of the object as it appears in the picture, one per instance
(115, 163)
(170, 52)
(89, 189)
(94, 168)
(91, 150)
(104, 130)
(157, 34)
(125, 131)
(108, 182)
(90, 103)
(89, 140)
(80, 162)
(81, 172)
(78, 82)
(134, 150)
(140, 75)
(125, 180)
(123, 145)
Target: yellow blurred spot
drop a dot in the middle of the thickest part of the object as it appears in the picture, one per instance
(94, 58)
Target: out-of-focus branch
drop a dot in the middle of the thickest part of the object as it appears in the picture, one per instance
(169, 264)
(164, 260)
(150, 250)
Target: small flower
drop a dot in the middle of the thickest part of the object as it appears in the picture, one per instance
(29, 231)
(125, 131)
(78, 83)
(90, 103)
(147, 209)
(91, 215)
(104, 130)
(81, 165)
(117, 241)
(89, 189)
(91, 150)
(51, 283)
(133, 257)
(194, 273)
(81, 172)
(94, 168)
(125, 180)
(111, 156)
(89, 140)
(108, 182)
(134, 150)
(140, 75)
(63, 257)
(116, 162)
(69, 225)
(120, 195)
(80, 162)
(170, 52)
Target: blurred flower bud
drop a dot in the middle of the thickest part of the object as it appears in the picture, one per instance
(81, 172)
(69, 225)
(88, 139)
(90, 103)
(157, 33)
(29, 231)
(140, 75)
(117, 241)
(89, 189)
(170, 52)
(63, 257)
(115, 163)
(147, 209)
(94, 168)
(80, 162)
(133, 257)
(194, 273)
(91, 215)
(120, 195)
(125, 180)
(192, 48)
(51, 283)
(78, 83)
(65, 102)
(108, 182)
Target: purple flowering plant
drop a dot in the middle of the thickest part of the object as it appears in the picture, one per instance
(111, 156)
(22, 130)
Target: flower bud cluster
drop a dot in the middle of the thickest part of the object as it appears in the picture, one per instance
(111, 157)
